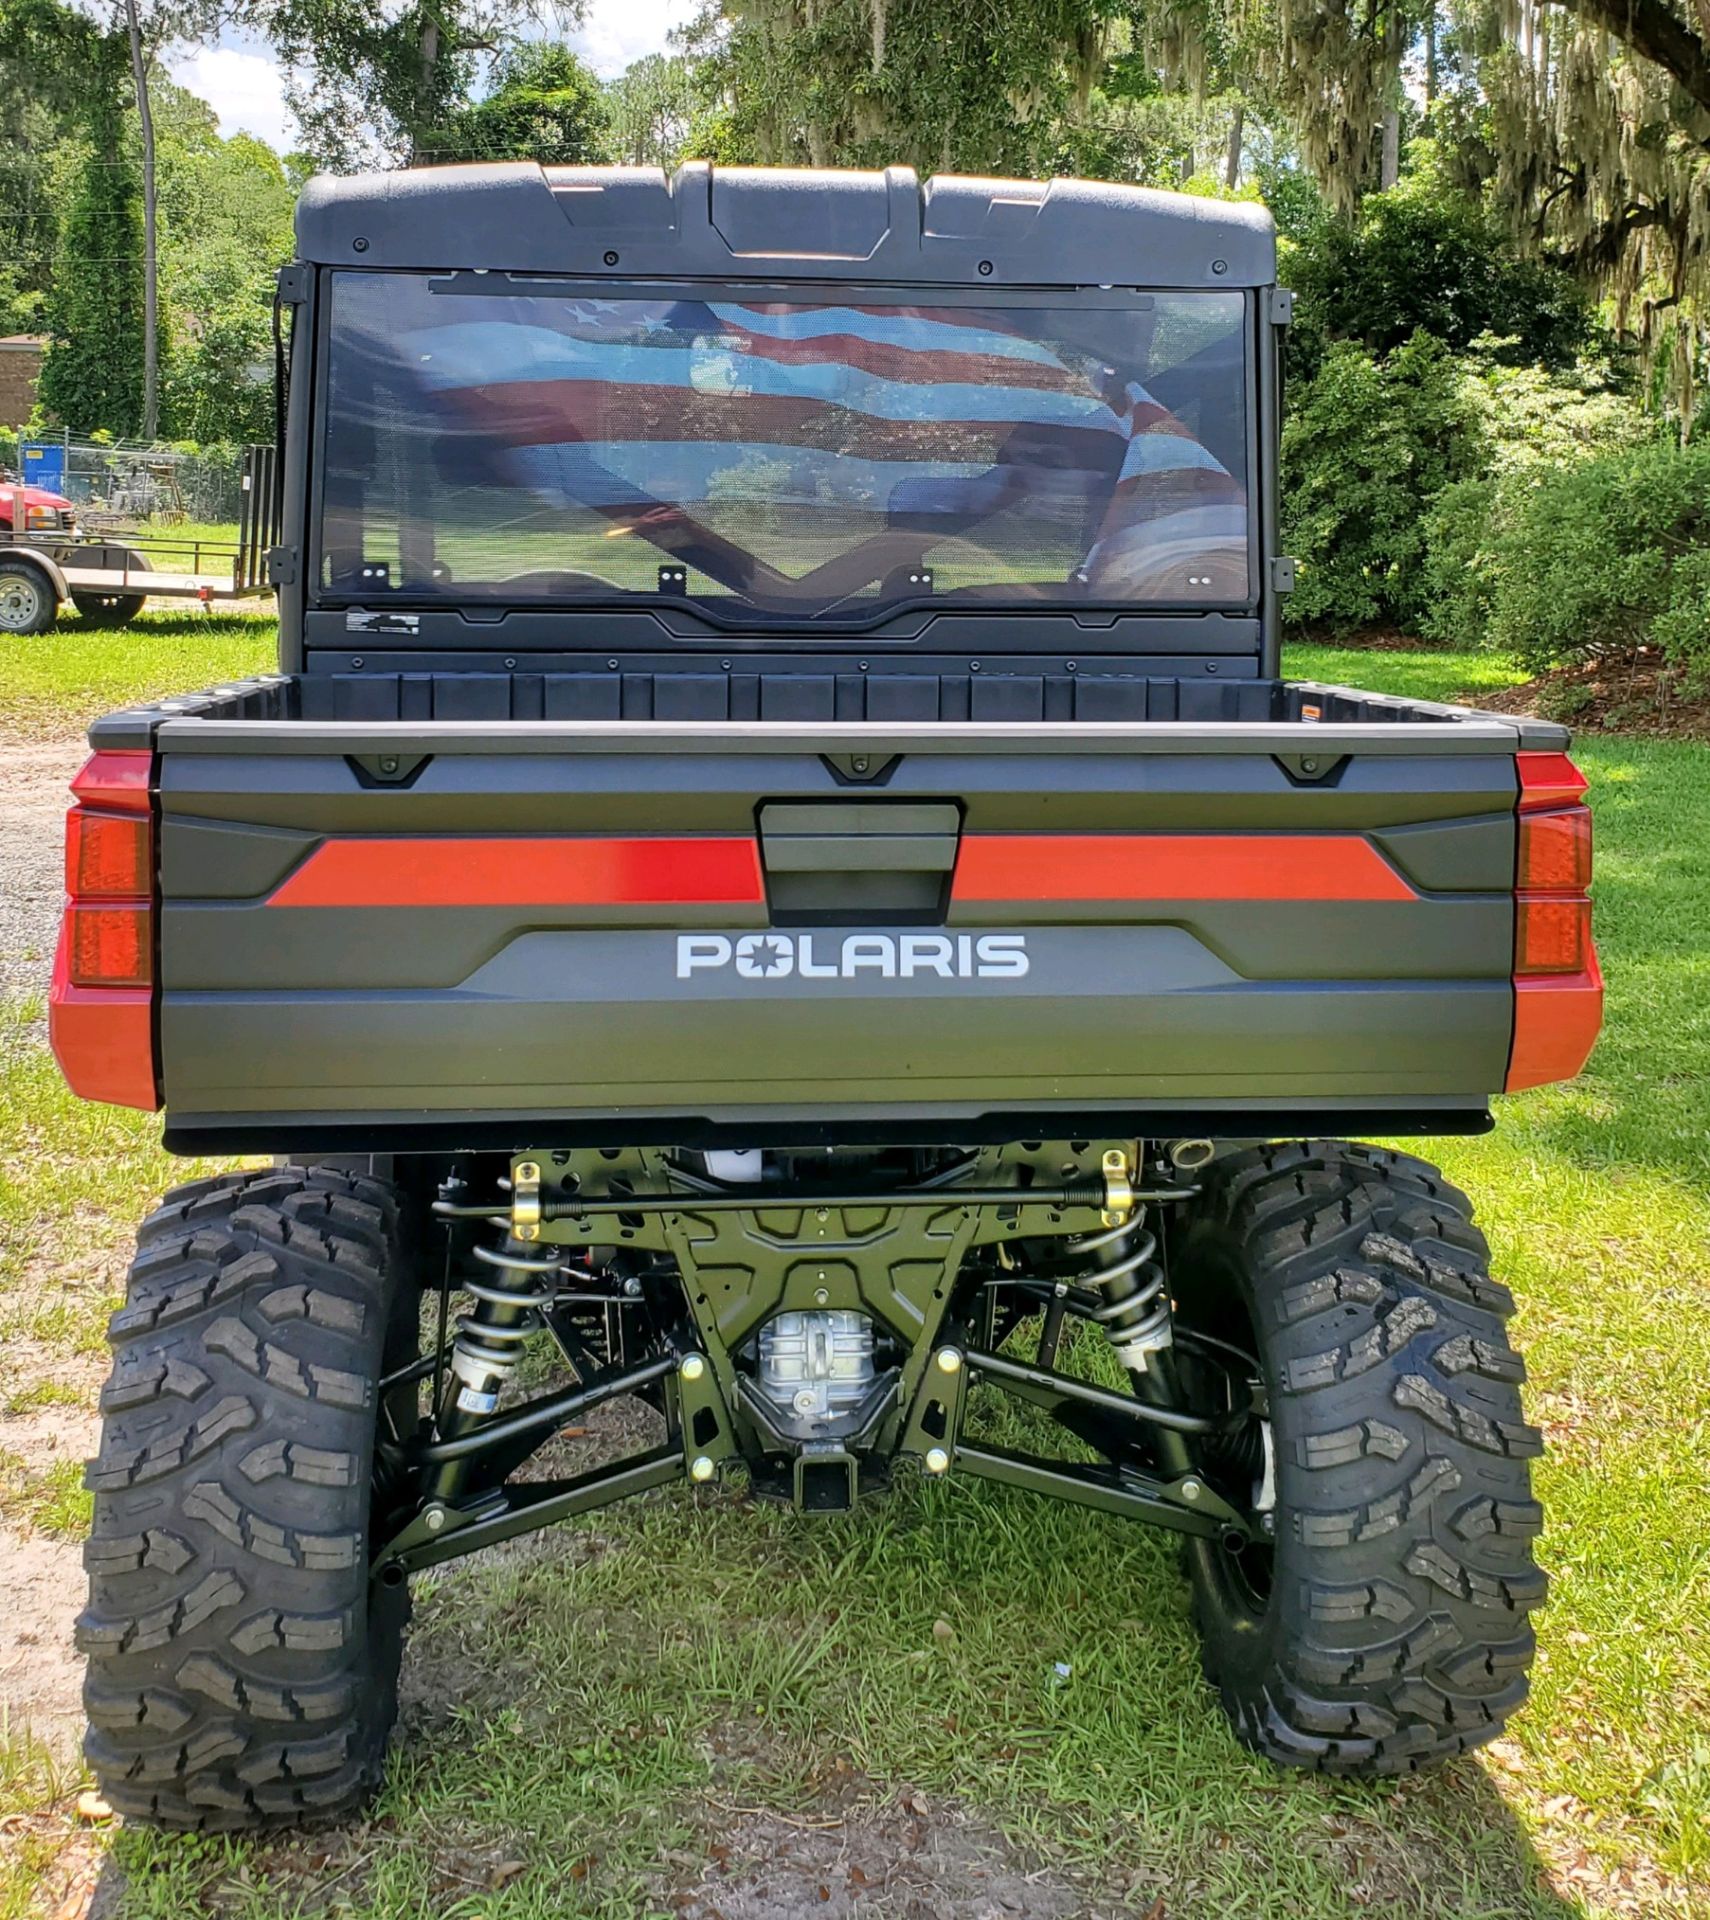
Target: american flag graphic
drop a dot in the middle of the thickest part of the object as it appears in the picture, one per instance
(932, 421)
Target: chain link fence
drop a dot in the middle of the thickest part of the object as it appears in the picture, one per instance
(137, 484)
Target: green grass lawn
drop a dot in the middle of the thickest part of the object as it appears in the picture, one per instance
(172, 541)
(1429, 673)
(56, 683)
(599, 1712)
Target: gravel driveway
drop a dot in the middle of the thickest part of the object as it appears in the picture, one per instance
(34, 775)
(41, 1578)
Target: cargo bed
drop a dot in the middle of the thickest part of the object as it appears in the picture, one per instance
(413, 905)
(803, 689)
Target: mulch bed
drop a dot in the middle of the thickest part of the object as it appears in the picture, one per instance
(1639, 695)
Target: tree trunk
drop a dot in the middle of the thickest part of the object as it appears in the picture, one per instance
(151, 264)
(1430, 55)
(1391, 168)
(1232, 154)
(428, 60)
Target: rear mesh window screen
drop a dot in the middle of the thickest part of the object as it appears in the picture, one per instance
(793, 461)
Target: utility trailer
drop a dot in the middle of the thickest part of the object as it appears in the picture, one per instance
(779, 867)
(48, 561)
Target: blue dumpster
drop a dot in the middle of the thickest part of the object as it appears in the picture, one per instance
(43, 464)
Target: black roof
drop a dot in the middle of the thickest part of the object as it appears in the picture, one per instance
(755, 223)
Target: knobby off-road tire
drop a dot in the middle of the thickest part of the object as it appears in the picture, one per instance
(1388, 1627)
(240, 1675)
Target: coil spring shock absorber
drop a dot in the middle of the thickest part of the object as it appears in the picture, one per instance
(1134, 1314)
(1135, 1308)
(489, 1342)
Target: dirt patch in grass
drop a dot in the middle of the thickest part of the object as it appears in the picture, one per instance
(41, 1676)
(41, 1571)
(908, 1859)
(1642, 695)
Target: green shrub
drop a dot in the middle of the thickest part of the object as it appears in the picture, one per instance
(1601, 558)
(1533, 415)
(1532, 420)
(1368, 446)
(1427, 256)
(1457, 568)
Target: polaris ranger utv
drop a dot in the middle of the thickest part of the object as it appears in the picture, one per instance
(779, 870)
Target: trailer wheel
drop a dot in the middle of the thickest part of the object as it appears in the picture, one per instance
(27, 603)
(114, 609)
(1385, 1626)
(242, 1668)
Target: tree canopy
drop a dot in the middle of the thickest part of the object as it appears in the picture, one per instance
(1468, 167)
(92, 376)
(918, 82)
(46, 81)
(544, 105)
(381, 85)
(652, 108)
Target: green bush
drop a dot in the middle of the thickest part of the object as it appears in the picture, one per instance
(1601, 558)
(1457, 583)
(1425, 255)
(1369, 445)
(1533, 415)
(1532, 420)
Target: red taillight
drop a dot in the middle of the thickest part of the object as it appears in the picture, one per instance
(108, 856)
(1558, 988)
(1548, 780)
(1551, 936)
(116, 780)
(109, 946)
(1555, 851)
(101, 1007)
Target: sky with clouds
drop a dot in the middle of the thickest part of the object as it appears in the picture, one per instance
(240, 79)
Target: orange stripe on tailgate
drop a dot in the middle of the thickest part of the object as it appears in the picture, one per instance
(519, 871)
(1174, 866)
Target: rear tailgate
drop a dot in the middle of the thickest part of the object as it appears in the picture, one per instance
(654, 929)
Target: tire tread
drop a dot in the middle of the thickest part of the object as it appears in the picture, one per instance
(238, 1675)
(1404, 1569)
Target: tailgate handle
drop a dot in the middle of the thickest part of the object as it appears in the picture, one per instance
(859, 837)
(859, 862)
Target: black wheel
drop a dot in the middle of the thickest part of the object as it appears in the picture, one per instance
(1385, 1625)
(114, 609)
(242, 1672)
(27, 602)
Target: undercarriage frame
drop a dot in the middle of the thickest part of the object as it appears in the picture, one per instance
(654, 1277)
